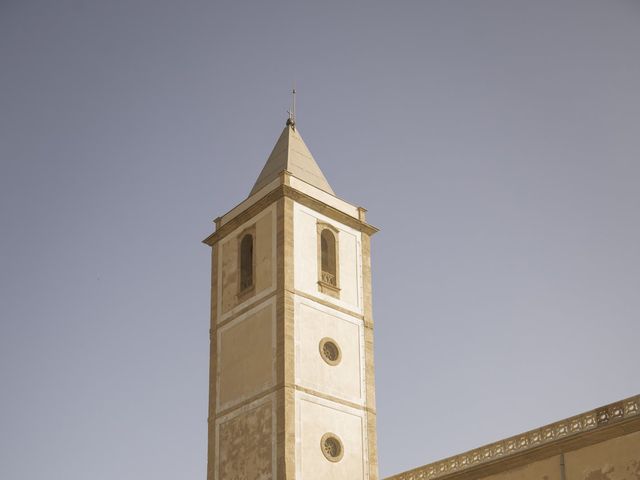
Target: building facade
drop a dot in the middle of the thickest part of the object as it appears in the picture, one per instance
(292, 394)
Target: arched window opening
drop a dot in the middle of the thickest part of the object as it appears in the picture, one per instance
(328, 257)
(246, 262)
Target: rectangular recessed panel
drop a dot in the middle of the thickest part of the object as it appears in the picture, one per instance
(246, 445)
(349, 268)
(343, 379)
(315, 421)
(246, 355)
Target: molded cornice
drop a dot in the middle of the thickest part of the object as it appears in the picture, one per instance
(286, 191)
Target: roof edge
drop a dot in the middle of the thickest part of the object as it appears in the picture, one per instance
(594, 426)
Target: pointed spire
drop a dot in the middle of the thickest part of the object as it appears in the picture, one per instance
(291, 154)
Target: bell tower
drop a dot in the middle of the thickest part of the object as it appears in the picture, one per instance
(291, 385)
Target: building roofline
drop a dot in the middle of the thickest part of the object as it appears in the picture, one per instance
(575, 432)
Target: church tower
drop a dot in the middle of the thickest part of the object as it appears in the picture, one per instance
(291, 385)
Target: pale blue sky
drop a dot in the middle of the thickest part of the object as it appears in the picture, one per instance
(495, 143)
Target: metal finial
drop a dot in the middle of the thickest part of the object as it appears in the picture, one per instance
(292, 113)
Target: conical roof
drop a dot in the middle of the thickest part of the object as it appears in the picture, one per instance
(292, 155)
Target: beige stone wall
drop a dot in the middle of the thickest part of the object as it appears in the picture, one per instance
(246, 355)
(273, 397)
(246, 447)
(264, 246)
(243, 401)
(615, 459)
(548, 469)
(369, 364)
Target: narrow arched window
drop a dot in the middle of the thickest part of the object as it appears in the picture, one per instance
(246, 262)
(328, 257)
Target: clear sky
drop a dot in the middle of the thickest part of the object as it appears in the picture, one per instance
(496, 143)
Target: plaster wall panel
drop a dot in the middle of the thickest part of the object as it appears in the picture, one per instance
(547, 469)
(315, 418)
(246, 355)
(350, 278)
(305, 245)
(306, 259)
(231, 302)
(245, 441)
(615, 459)
(228, 282)
(315, 322)
(264, 253)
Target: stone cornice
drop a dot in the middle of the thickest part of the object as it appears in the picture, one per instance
(286, 191)
(570, 434)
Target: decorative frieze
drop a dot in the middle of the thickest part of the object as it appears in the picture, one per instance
(564, 429)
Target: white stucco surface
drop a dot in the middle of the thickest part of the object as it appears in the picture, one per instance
(314, 418)
(305, 246)
(313, 322)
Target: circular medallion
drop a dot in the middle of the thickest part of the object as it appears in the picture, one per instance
(331, 447)
(330, 351)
